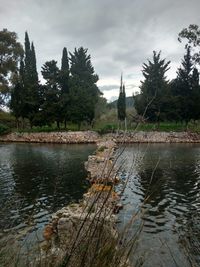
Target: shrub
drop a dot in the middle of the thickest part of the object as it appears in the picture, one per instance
(4, 129)
(108, 128)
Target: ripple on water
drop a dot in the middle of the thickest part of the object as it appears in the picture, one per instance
(38, 179)
(169, 200)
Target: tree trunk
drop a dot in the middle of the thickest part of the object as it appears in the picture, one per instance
(125, 124)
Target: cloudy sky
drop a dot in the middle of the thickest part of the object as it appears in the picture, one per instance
(120, 34)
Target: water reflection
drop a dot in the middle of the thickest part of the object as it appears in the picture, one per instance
(36, 180)
(166, 183)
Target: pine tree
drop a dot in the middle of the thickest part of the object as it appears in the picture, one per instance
(195, 95)
(51, 108)
(84, 92)
(184, 87)
(153, 88)
(184, 74)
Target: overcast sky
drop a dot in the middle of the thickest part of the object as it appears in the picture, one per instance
(119, 35)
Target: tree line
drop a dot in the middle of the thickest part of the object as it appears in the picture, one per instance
(69, 93)
(177, 100)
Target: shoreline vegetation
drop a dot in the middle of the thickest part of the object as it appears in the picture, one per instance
(84, 137)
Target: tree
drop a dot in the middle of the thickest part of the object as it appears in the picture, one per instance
(51, 108)
(186, 91)
(192, 35)
(101, 108)
(195, 95)
(64, 84)
(121, 103)
(84, 92)
(11, 51)
(153, 88)
(31, 83)
(183, 87)
(17, 95)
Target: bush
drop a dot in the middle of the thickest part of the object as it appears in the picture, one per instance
(108, 128)
(4, 129)
(7, 119)
(40, 129)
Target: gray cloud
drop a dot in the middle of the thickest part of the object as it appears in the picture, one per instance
(108, 87)
(116, 86)
(120, 35)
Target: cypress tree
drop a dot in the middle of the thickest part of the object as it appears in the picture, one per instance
(34, 65)
(64, 83)
(124, 102)
(31, 84)
(121, 103)
(65, 61)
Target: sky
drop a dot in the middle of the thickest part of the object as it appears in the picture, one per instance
(120, 35)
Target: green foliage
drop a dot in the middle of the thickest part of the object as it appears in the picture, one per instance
(40, 129)
(10, 52)
(108, 128)
(3, 129)
(71, 96)
(51, 109)
(101, 108)
(25, 97)
(84, 92)
(153, 89)
(192, 35)
(7, 119)
(186, 91)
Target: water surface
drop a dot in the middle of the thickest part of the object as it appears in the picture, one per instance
(38, 179)
(164, 184)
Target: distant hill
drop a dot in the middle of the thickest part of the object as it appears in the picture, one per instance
(129, 103)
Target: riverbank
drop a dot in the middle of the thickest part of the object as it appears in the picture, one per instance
(84, 137)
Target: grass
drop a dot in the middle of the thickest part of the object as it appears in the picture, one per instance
(164, 126)
(106, 127)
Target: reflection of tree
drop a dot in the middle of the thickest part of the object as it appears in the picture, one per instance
(151, 182)
(46, 177)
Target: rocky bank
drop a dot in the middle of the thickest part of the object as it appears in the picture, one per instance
(93, 137)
